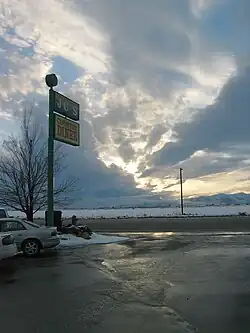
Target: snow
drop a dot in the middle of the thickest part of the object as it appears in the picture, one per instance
(70, 241)
(7, 251)
(146, 212)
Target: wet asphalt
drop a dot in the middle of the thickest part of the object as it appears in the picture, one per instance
(177, 224)
(152, 283)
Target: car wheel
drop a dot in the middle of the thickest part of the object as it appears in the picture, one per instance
(31, 247)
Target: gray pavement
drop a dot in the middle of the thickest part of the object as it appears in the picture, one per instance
(197, 224)
(168, 284)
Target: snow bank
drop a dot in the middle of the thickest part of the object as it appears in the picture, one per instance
(147, 212)
(67, 241)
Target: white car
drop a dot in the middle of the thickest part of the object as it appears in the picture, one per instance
(8, 246)
(30, 237)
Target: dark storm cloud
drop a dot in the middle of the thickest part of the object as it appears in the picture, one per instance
(147, 38)
(95, 179)
(156, 135)
(226, 123)
(199, 166)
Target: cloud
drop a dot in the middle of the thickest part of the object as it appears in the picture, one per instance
(24, 74)
(223, 124)
(231, 182)
(211, 147)
(59, 31)
(163, 70)
(157, 44)
(95, 180)
(145, 74)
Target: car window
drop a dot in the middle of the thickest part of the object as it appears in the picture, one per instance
(12, 226)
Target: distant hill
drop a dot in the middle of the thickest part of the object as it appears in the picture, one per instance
(221, 199)
(157, 201)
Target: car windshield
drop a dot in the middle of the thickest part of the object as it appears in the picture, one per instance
(32, 224)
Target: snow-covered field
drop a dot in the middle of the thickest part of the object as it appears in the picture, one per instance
(70, 241)
(147, 212)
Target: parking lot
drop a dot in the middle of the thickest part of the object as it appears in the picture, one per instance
(154, 282)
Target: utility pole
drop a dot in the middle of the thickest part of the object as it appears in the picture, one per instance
(51, 81)
(181, 199)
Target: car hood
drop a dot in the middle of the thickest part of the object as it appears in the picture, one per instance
(48, 228)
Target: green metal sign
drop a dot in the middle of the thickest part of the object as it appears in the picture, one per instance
(66, 130)
(66, 106)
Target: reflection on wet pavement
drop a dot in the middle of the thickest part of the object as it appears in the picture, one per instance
(201, 277)
(152, 283)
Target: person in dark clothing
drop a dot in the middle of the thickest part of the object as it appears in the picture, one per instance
(74, 220)
(78, 230)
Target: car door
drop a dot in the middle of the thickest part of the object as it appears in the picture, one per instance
(16, 228)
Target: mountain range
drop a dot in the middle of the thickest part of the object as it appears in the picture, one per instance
(220, 199)
(150, 201)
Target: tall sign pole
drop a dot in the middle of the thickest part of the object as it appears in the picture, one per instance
(64, 116)
(50, 216)
(181, 199)
(51, 81)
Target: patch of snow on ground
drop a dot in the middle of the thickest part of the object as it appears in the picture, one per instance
(147, 212)
(67, 241)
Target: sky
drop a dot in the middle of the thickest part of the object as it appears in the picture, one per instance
(162, 85)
